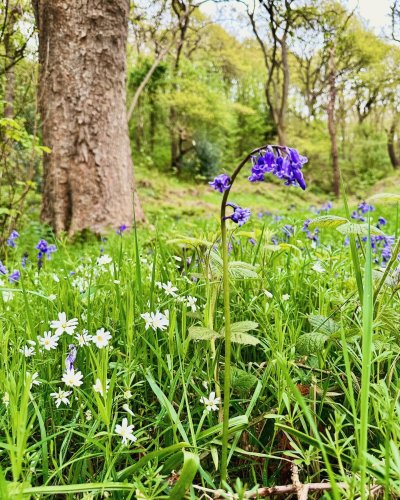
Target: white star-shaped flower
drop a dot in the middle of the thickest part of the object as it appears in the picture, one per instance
(71, 378)
(125, 431)
(61, 397)
(83, 338)
(191, 302)
(169, 289)
(63, 325)
(211, 402)
(101, 338)
(156, 320)
(48, 341)
(98, 386)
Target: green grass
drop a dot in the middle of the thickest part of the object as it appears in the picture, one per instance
(314, 371)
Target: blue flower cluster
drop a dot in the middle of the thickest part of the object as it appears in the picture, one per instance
(12, 277)
(362, 209)
(382, 248)
(240, 215)
(286, 165)
(45, 249)
(313, 236)
(11, 239)
(287, 234)
(221, 183)
(324, 209)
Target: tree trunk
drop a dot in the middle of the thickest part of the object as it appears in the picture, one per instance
(394, 158)
(9, 49)
(88, 176)
(331, 111)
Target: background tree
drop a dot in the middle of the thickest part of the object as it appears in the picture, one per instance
(88, 176)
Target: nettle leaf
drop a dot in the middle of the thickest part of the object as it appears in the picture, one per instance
(385, 198)
(359, 229)
(289, 247)
(311, 343)
(330, 221)
(322, 324)
(244, 338)
(242, 381)
(239, 270)
(241, 327)
(239, 335)
(202, 333)
(190, 242)
(390, 281)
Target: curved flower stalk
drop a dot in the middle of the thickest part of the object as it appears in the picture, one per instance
(286, 164)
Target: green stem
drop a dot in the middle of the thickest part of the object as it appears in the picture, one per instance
(227, 368)
(227, 312)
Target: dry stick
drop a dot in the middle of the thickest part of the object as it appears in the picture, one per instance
(272, 490)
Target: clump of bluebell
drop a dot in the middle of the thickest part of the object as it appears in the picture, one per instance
(362, 209)
(285, 163)
(282, 162)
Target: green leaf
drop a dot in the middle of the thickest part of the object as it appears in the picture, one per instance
(311, 343)
(191, 464)
(322, 324)
(202, 333)
(242, 381)
(157, 454)
(359, 229)
(241, 327)
(330, 221)
(166, 404)
(239, 270)
(235, 424)
(190, 242)
(385, 198)
(244, 338)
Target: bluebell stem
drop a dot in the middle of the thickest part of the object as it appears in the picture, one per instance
(285, 163)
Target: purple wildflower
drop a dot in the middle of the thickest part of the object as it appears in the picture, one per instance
(24, 260)
(240, 215)
(3, 269)
(287, 166)
(70, 359)
(14, 276)
(381, 222)
(11, 239)
(45, 249)
(121, 229)
(221, 183)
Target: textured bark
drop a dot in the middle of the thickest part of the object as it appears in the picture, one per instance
(10, 58)
(331, 112)
(88, 177)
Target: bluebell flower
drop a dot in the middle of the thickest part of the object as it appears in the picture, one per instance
(45, 249)
(286, 165)
(121, 229)
(24, 260)
(71, 357)
(11, 239)
(14, 276)
(240, 215)
(221, 183)
(381, 222)
(364, 207)
(3, 269)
